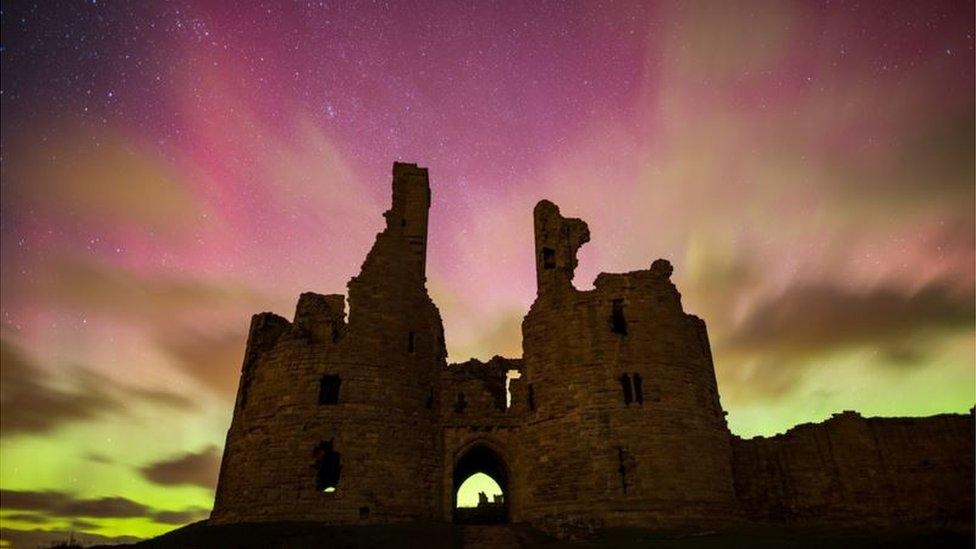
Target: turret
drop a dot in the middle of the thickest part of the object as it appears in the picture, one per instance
(557, 239)
(408, 215)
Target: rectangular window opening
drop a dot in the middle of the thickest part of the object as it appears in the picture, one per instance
(461, 404)
(638, 388)
(410, 342)
(618, 323)
(329, 389)
(628, 390)
(327, 467)
(531, 398)
(509, 376)
(548, 258)
(626, 463)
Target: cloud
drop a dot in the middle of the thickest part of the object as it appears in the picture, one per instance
(27, 517)
(41, 506)
(212, 360)
(196, 469)
(157, 301)
(96, 457)
(32, 401)
(31, 405)
(101, 177)
(200, 325)
(814, 318)
(66, 505)
(50, 538)
(186, 516)
(786, 336)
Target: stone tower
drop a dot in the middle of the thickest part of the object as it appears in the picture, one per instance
(624, 424)
(335, 421)
(614, 416)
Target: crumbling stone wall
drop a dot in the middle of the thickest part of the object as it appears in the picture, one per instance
(627, 425)
(851, 469)
(616, 419)
(484, 420)
(386, 360)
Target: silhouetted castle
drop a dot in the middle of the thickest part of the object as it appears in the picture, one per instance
(615, 420)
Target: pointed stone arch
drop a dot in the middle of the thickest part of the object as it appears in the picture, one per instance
(481, 456)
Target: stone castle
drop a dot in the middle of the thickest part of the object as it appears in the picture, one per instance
(615, 418)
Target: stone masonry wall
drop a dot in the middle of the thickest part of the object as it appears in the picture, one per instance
(382, 433)
(615, 420)
(663, 459)
(482, 419)
(851, 469)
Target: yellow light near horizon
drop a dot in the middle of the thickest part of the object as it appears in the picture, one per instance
(467, 495)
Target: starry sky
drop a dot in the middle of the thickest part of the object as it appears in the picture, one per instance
(169, 168)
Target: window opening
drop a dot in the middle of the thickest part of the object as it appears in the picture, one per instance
(329, 389)
(509, 376)
(410, 342)
(618, 324)
(548, 258)
(480, 488)
(628, 390)
(461, 404)
(627, 464)
(327, 467)
(638, 388)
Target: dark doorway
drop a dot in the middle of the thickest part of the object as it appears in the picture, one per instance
(491, 509)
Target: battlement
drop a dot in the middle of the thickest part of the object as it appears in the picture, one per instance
(477, 387)
(557, 239)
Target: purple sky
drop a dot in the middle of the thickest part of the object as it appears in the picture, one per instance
(170, 168)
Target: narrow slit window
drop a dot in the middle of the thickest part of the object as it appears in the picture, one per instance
(638, 388)
(430, 399)
(327, 467)
(548, 258)
(411, 339)
(628, 390)
(622, 469)
(618, 323)
(531, 398)
(329, 389)
(461, 404)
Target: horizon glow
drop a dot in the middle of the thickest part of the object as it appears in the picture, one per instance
(169, 169)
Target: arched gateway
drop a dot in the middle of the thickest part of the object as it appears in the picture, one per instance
(480, 458)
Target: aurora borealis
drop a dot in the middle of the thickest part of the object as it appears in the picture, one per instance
(168, 169)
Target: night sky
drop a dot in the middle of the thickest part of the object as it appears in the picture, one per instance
(169, 168)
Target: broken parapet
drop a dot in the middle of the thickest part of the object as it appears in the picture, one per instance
(613, 378)
(321, 317)
(326, 395)
(402, 245)
(409, 212)
(265, 330)
(481, 382)
(557, 239)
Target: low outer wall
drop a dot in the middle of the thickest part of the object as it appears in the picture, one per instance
(863, 470)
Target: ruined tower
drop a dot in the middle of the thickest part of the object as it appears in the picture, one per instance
(334, 421)
(615, 419)
(624, 425)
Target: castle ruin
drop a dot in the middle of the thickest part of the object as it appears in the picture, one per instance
(615, 418)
